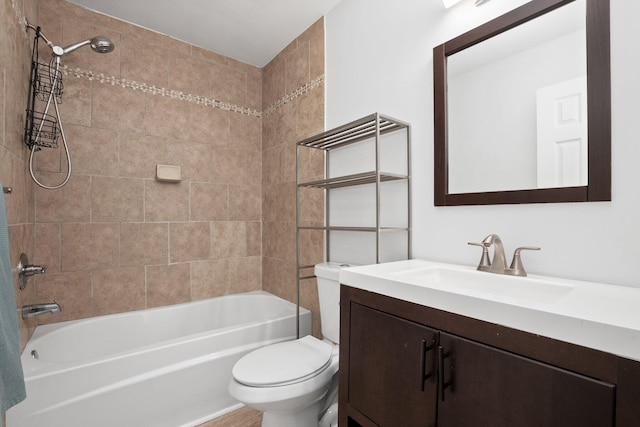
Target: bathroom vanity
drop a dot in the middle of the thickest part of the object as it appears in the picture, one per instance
(417, 350)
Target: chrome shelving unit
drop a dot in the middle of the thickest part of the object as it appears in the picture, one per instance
(367, 130)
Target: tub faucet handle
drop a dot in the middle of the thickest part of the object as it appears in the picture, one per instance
(26, 270)
(30, 270)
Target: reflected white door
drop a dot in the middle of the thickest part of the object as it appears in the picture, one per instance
(562, 134)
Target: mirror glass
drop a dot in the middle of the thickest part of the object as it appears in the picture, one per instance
(522, 107)
(516, 107)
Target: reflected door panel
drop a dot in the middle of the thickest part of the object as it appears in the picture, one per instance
(562, 134)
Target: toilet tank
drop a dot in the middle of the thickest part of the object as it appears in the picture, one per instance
(327, 275)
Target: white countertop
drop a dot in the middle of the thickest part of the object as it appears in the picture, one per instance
(600, 316)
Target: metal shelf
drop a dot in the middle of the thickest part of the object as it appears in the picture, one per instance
(358, 130)
(365, 229)
(352, 180)
(367, 130)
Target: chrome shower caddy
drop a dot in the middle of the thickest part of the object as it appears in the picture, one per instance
(41, 129)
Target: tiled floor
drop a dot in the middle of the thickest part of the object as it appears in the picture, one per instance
(245, 417)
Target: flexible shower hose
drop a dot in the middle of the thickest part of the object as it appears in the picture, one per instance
(52, 97)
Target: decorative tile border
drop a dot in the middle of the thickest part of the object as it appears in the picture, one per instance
(154, 90)
(187, 97)
(317, 82)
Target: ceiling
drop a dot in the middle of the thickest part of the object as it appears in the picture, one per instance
(251, 31)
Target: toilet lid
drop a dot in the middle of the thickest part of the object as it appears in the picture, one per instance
(284, 363)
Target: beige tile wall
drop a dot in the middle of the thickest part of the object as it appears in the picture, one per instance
(297, 65)
(232, 217)
(15, 60)
(114, 239)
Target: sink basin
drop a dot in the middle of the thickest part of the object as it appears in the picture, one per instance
(479, 283)
(601, 316)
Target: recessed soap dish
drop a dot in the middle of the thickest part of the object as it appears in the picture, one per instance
(168, 173)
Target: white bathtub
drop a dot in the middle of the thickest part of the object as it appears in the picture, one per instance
(167, 366)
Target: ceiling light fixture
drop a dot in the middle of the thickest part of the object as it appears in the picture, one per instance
(449, 3)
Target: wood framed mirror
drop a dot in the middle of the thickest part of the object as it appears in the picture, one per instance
(473, 114)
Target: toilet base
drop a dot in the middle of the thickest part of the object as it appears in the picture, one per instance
(307, 417)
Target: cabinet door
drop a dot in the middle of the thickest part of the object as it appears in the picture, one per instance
(484, 386)
(389, 360)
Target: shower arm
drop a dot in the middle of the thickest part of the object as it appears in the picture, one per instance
(40, 33)
(58, 51)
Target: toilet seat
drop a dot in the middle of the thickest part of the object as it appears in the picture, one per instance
(284, 363)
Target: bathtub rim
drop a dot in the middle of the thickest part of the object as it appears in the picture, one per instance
(52, 367)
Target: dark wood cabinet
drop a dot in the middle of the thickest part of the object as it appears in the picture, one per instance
(506, 390)
(402, 364)
(393, 380)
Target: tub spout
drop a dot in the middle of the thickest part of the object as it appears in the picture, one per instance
(34, 310)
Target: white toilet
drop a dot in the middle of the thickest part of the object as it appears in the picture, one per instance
(290, 382)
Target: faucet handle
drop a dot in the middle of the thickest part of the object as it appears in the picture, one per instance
(516, 268)
(485, 262)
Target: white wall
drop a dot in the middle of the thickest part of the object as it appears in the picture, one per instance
(379, 58)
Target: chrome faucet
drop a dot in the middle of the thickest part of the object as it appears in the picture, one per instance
(29, 311)
(499, 263)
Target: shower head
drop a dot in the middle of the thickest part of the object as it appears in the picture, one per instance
(99, 44)
(102, 44)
